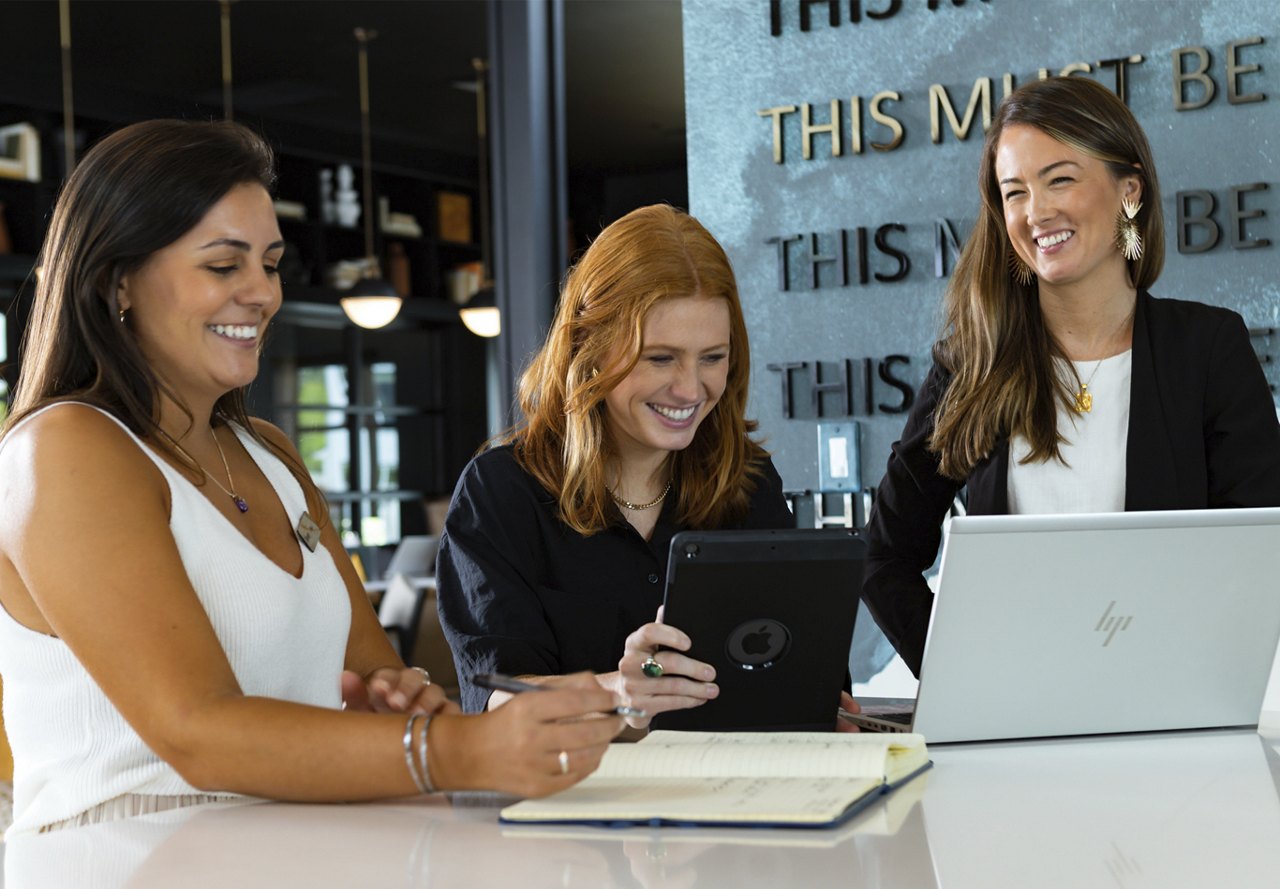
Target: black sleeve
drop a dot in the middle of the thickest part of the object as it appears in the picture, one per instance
(487, 575)
(1241, 434)
(904, 530)
(768, 509)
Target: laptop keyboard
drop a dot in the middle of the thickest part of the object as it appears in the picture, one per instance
(896, 718)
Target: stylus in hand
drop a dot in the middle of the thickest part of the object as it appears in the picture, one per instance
(498, 682)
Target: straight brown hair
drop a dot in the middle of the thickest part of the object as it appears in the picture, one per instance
(995, 343)
(135, 192)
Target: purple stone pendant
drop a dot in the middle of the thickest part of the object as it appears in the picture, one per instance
(240, 504)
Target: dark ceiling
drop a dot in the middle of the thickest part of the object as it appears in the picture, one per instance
(295, 73)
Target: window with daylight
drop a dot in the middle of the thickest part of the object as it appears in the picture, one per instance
(352, 451)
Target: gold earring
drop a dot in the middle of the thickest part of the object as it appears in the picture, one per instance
(1128, 236)
(120, 314)
(1019, 270)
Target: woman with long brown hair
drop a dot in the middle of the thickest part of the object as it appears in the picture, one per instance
(1060, 383)
(180, 622)
(633, 428)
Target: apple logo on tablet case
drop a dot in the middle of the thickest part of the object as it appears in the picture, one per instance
(758, 644)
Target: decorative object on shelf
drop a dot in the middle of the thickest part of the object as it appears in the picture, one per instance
(328, 204)
(290, 210)
(481, 313)
(401, 225)
(346, 201)
(453, 217)
(373, 302)
(6, 243)
(20, 152)
(464, 279)
(398, 268)
(343, 274)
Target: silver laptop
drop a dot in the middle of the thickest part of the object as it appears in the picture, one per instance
(1089, 624)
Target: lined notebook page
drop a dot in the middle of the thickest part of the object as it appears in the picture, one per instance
(667, 754)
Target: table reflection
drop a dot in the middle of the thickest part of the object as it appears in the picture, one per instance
(1166, 810)
(435, 844)
(1194, 809)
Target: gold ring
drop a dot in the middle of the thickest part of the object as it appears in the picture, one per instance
(651, 667)
(564, 762)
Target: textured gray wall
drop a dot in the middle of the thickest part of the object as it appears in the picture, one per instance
(734, 69)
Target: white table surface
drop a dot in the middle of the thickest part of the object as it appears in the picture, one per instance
(1169, 810)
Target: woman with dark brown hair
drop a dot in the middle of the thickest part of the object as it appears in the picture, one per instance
(634, 428)
(180, 623)
(1060, 383)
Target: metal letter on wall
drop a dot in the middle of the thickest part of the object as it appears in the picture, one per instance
(1181, 76)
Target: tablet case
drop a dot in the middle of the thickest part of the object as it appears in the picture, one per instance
(773, 613)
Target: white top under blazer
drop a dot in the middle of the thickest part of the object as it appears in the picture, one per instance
(1091, 475)
(284, 636)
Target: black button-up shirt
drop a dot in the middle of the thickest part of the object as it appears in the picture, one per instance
(522, 593)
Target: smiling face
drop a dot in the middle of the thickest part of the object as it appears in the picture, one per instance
(1060, 208)
(681, 374)
(200, 306)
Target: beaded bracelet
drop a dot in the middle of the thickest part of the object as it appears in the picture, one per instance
(408, 752)
(425, 773)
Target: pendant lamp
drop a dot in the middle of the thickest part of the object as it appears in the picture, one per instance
(480, 314)
(372, 302)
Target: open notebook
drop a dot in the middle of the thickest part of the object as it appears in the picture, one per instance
(775, 779)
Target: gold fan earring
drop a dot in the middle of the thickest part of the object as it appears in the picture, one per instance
(1128, 237)
(1019, 270)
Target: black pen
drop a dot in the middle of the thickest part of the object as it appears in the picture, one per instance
(498, 682)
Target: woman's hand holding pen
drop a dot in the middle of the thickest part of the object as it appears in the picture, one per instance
(533, 745)
(680, 681)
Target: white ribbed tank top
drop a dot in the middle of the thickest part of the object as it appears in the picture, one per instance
(284, 637)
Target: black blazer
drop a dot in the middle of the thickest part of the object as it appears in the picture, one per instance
(1202, 434)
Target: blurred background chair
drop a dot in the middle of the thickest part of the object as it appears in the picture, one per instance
(408, 610)
(415, 556)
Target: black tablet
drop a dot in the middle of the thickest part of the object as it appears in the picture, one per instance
(773, 612)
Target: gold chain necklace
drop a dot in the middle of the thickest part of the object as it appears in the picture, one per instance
(230, 490)
(636, 507)
(1084, 398)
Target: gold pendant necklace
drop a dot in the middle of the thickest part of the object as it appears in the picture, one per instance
(1084, 398)
(637, 507)
(235, 498)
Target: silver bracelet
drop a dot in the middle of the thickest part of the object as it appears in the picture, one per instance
(427, 785)
(408, 752)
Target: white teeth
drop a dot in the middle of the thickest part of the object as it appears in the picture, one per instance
(236, 331)
(678, 415)
(1050, 240)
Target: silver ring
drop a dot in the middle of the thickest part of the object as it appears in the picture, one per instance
(651, 667)
(426, 677)
(564, 762)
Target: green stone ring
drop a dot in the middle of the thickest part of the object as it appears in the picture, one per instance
(651, 668)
